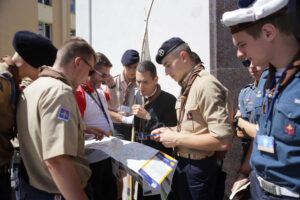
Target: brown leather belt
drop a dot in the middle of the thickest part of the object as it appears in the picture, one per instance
(193, 156)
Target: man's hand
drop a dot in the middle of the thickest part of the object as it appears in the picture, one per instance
(166, 136)
(242, 134)
(240, 194)
(139, 111)
(238, 113)
(97, 132)
(109, 81)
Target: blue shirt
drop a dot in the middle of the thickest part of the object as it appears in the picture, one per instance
(283, 166)
(246, 103)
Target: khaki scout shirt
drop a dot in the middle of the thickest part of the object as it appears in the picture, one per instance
(50, 125)
(207, 110)
(117, 94)
(6, 116)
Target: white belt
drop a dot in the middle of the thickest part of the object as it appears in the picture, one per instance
(275, 189)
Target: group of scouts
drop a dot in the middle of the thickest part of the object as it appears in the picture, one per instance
(67, 103)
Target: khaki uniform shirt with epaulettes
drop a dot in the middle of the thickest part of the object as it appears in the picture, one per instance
(117, 94)
(7, 113)
(208, 109)
(47, 131)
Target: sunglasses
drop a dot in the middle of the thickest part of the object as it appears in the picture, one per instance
(246, 63)
(86, 62)
(103, 75)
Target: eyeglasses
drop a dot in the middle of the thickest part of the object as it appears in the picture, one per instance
(103, 75)
(246, 63)
(86, 62)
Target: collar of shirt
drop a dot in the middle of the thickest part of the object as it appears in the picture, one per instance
(184, 81)
(147, 97)
(89, 88)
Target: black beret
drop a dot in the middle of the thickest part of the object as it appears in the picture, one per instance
(130, 57)
(244, 3)
(35, 49)
(167, 47)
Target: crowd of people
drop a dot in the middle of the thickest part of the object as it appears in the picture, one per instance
(53, 100)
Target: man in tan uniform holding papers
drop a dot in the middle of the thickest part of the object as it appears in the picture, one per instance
(203, 128)
(51, 130)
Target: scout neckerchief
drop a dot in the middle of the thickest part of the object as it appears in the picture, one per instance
(99, 102)
(147, 102)
(285, 78)
(185, 92)
(126, 88)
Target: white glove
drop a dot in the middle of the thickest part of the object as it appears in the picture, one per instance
(128, 120)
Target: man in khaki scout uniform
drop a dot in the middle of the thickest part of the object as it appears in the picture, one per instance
(51, 130)
(23, 63)
(121, 98)
(203, 111)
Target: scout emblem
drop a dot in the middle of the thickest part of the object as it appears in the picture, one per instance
(289, 129)
(258, 94)
(189, 116)
(64, 114)
(57, 197)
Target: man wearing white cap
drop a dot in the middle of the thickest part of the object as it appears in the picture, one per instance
(262, 33)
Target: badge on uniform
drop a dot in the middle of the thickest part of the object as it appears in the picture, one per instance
(289, 129)
(189, 116)
(265, 143)
(125, 109)
(249, 101)
(258, 93)
(57, 197)
(64, 114)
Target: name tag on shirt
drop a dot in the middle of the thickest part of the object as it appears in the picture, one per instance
(125, 109)
(265, 143)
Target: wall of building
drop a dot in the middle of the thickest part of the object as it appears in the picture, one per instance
(119, 25)
(16, 15)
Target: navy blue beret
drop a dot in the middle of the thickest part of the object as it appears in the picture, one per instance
(35, 49)
(167, 47)
(244, 3)
(130, 57)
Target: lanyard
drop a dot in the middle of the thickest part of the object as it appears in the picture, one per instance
(97, 102)
(269, 109)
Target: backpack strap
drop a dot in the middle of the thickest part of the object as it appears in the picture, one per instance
(13, 88)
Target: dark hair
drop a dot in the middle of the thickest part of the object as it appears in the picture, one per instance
(102, 60)
(183, 47)
(147, 66)
(195, 57)
(280, 21)
(73, 48)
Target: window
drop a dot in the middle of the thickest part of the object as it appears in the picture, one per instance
(72, 33)
(46, 2)
(45, 30)
(72, 6)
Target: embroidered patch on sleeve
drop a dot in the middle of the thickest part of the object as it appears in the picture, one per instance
(189, 116)
(64, 114)
(289, 129)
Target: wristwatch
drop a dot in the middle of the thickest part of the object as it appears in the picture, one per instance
(148, 116)
(235, 121)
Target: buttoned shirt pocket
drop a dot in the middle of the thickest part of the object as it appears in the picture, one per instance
(286, 121)
(190, 118)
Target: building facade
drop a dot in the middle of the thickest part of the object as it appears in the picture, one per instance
(53, 19)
